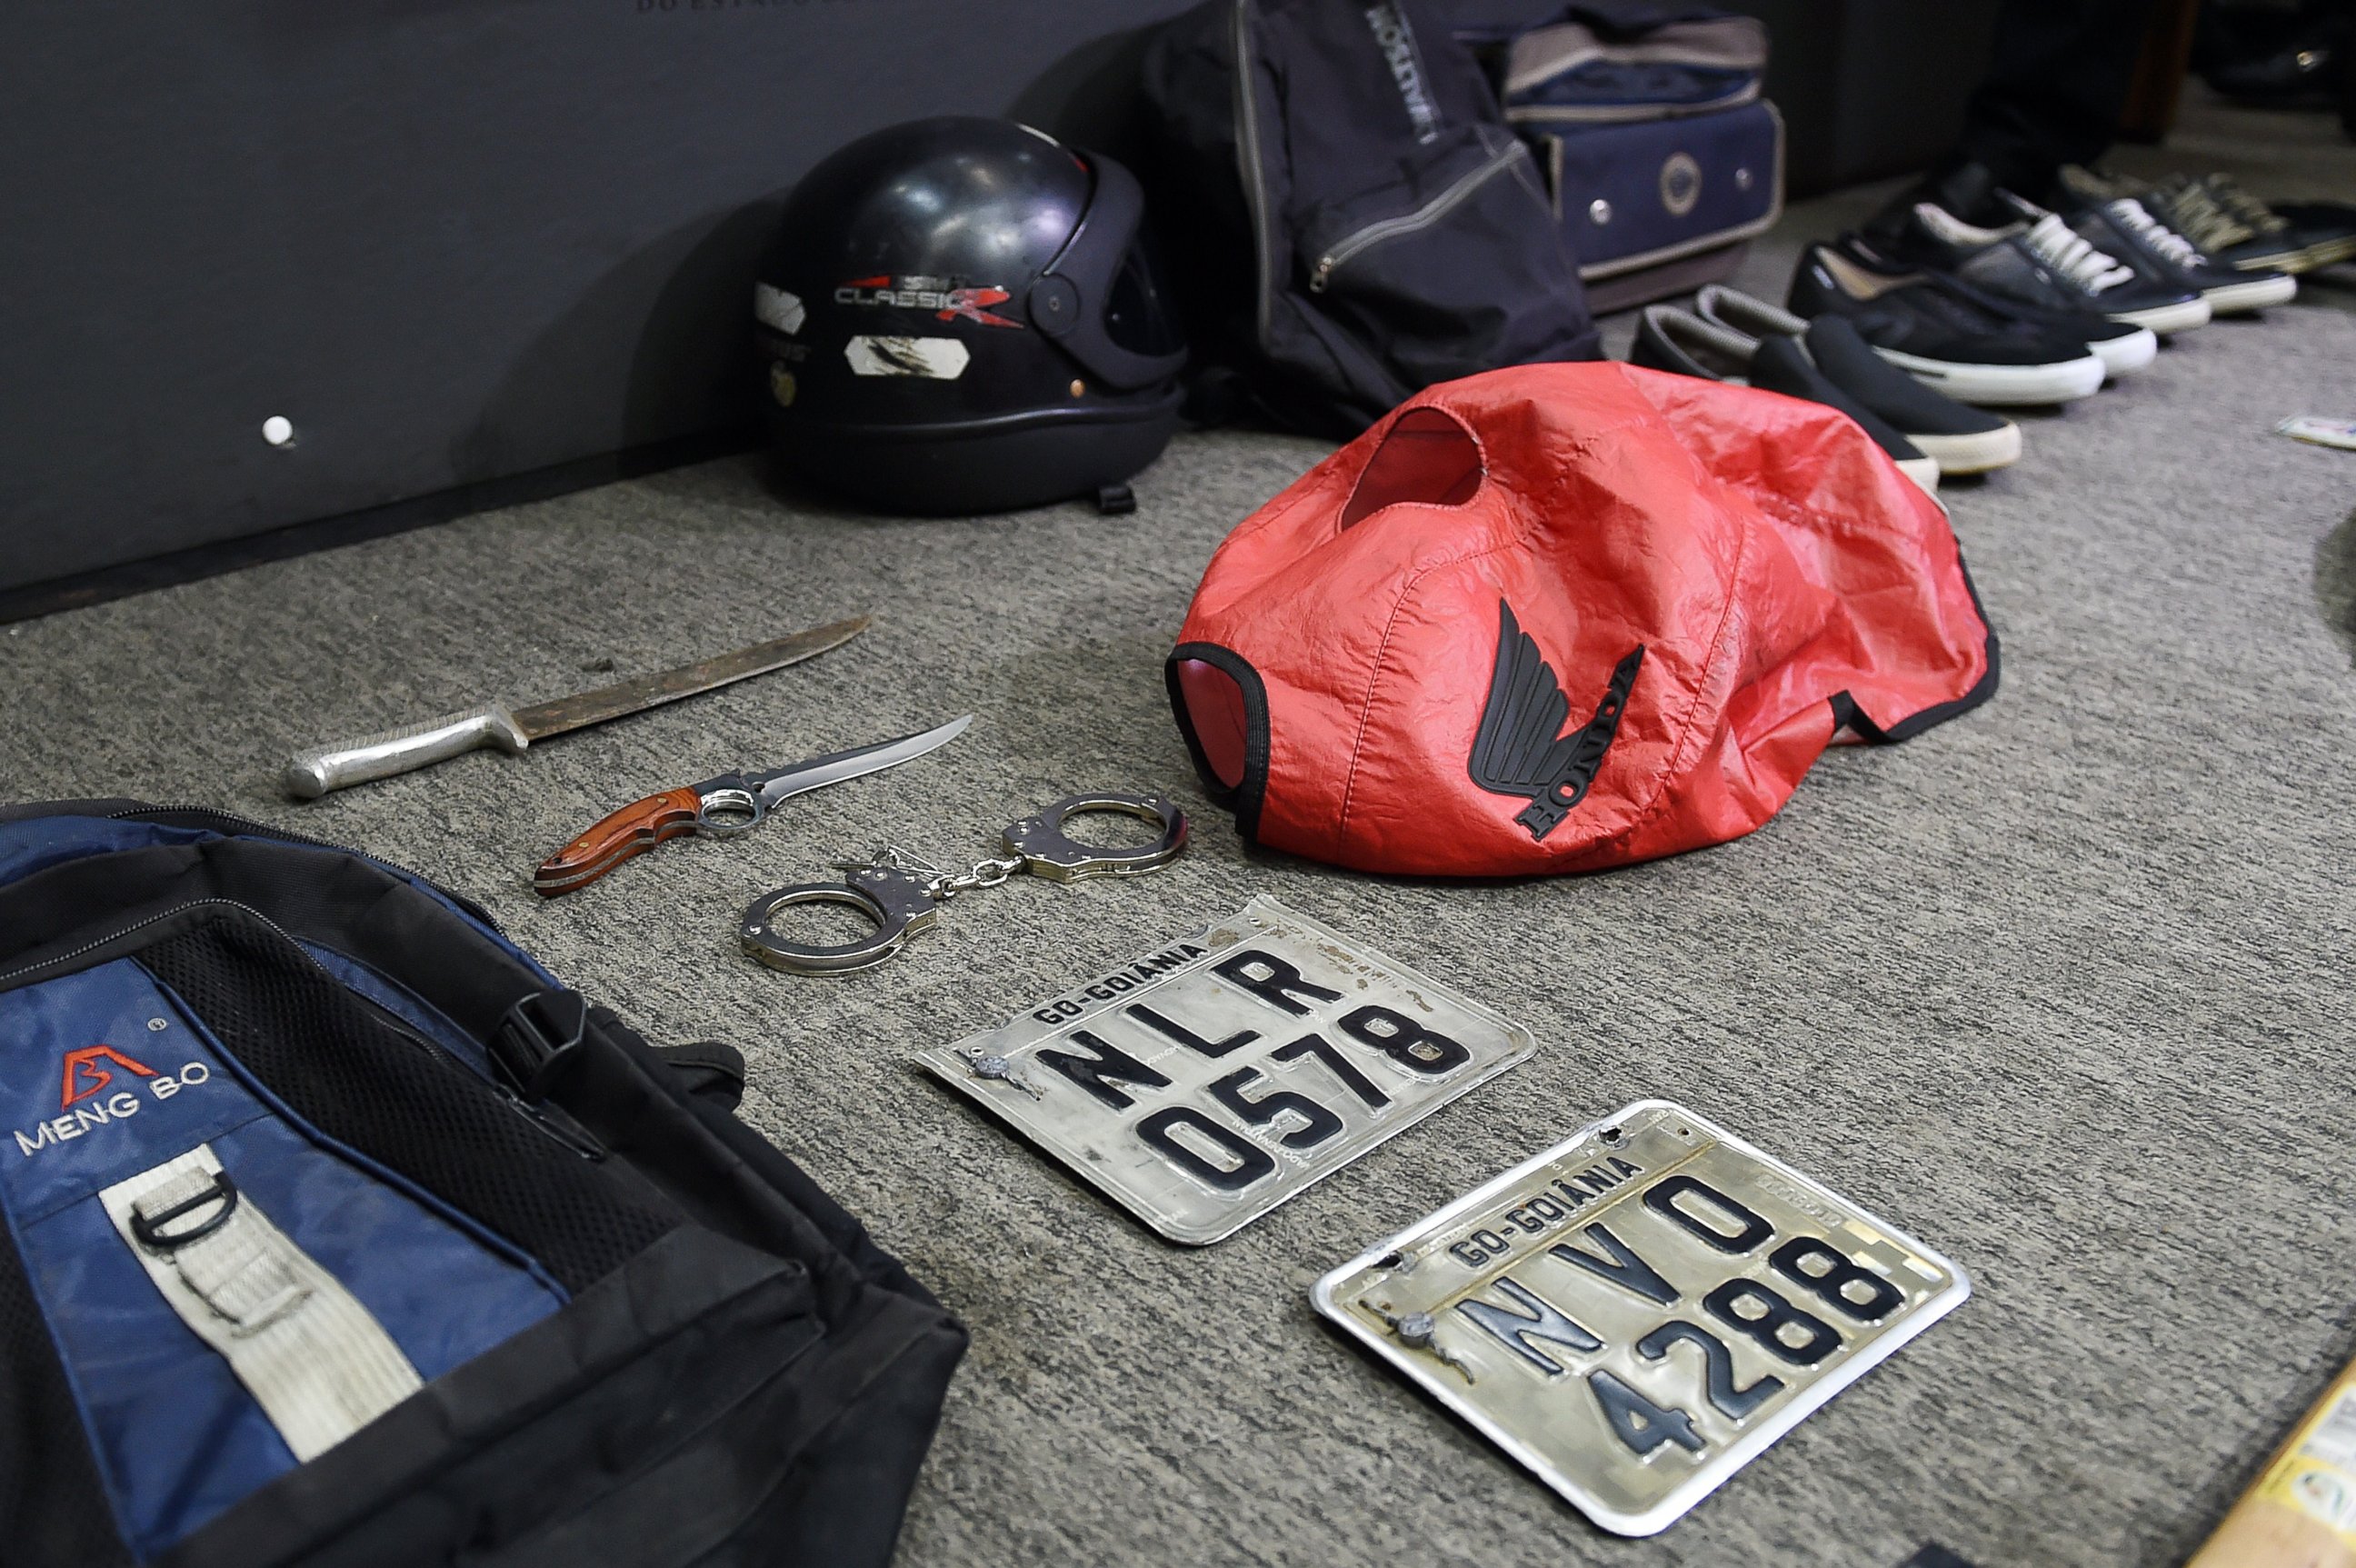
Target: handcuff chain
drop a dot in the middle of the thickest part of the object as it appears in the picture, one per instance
(988, 872)
(940, 886)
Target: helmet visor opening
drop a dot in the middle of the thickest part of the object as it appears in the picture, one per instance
(1137, 312)
(1427, 457)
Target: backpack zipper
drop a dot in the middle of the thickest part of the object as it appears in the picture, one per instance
(287, 835)
(1247, 154)
(582, 1143)
(91, 947)
(258, 827)
(1423, 216)
(572, 1136)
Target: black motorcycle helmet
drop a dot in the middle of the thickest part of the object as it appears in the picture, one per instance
(960, 314)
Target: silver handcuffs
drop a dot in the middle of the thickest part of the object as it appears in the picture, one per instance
(902, 895)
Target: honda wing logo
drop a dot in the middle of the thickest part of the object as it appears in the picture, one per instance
(88, 1072)
(1519, 750)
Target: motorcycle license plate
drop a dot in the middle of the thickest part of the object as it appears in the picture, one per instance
(1222, 1073)
(1637, 1313)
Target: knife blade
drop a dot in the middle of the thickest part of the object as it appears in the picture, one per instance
(731, 803)
(311, 774)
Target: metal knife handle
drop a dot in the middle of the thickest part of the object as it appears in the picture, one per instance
(633, 830)
(310, 774)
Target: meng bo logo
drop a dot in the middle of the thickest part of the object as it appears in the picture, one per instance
(83, 1095)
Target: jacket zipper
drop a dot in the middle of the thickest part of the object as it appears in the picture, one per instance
(1247, 154)
(1423, 216)
(582, 1143)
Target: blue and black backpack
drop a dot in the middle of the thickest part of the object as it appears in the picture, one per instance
(342, 1233)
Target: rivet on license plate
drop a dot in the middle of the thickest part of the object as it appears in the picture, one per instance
(1222, 1073)
(1638, 1312)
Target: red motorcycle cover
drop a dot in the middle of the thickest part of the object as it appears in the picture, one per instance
(1565, 617)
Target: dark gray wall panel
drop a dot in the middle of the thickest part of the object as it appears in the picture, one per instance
(1870, 88)
(449, 239)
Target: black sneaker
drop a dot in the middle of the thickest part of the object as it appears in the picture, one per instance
(2236, 229)
(2231, 262)
(1969, 191)
(2266, 246)
(1668, 339)
(2123, 228)
(1961, 439)
(2231, 288)
(1949, 335)
(2050, 276)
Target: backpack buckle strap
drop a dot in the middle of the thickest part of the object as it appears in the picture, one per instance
(314, 1357)
(535, 1034)
(178, 1198)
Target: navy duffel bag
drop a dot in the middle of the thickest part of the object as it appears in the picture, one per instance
(1663, 158)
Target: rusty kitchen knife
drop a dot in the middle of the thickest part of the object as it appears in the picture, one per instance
(310, 774)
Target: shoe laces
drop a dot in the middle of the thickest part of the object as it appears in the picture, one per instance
(2254, 214)
(2195, 213)
(2074, 258)
(2171, 244)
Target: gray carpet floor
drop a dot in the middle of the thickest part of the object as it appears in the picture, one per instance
(2064, 987)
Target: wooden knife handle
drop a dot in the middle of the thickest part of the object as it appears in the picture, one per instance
(633, 830)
